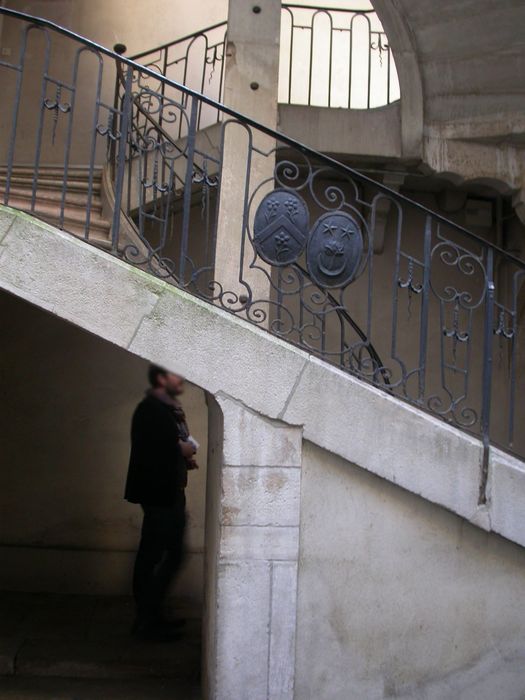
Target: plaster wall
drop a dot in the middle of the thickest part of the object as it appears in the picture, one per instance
(399, 598)
(139, 25)
(361, 132)
(67, 401)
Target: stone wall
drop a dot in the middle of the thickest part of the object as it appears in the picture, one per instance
(400, 599)
(253, 545)
(140, 26)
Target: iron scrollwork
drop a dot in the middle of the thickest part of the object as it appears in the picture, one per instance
(57, 106)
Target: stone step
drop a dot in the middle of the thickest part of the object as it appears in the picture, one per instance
(53, 196)
(51, 212)
(112, 658)
(74, 185)
(74, 219)
(99, 238)
(16, 688)
(51, 176)
(49, 199)
(51, 171)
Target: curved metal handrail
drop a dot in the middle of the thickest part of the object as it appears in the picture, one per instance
(147, 116)
(374, 355)
(175, 42)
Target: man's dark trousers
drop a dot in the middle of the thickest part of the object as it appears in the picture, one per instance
(159, 556)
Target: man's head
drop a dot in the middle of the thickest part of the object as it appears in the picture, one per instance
(160, 378)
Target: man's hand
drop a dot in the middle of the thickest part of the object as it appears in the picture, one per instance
(187, 449)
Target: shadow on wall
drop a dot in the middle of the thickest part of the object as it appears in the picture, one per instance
(67, 400)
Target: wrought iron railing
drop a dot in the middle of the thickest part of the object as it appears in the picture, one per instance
(197, 61)
(329, 58)
(277, 233)
(335, 58)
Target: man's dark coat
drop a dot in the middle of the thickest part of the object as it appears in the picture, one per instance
(157, 469)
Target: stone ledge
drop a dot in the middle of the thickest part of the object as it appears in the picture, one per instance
(388, 437)
(506, 488)
(46, 268)
(336, 130)
(219, 352)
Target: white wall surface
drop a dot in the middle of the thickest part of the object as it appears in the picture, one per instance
(399, 598)
(139, 24)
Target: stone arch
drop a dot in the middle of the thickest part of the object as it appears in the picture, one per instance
(410, 80)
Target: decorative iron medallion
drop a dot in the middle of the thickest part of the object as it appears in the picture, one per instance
(280, 227)
(334, 250)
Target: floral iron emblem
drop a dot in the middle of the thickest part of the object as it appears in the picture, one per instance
(280, 227)
(335, 248)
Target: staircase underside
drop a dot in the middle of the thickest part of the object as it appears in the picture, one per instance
(225, 355)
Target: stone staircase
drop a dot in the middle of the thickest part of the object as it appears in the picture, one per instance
(48, 200)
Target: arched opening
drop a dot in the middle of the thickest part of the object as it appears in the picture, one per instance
(336, 55)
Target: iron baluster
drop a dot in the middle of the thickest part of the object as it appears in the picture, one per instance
(40, 127)
(121, 157)
(190, 156)
(93, 145)
(425, 303)
(487, 374)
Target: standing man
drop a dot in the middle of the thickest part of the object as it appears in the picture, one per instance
(162, 451)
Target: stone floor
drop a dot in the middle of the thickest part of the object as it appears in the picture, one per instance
(79, 648)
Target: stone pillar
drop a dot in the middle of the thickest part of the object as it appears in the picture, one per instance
(253, 526)
(250, 87)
